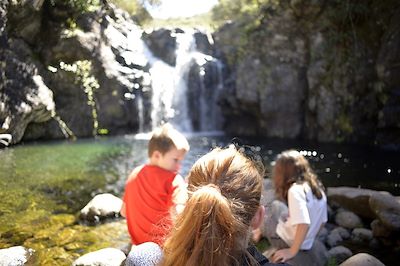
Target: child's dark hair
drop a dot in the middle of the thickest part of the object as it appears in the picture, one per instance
(165, 138)
(292, 167)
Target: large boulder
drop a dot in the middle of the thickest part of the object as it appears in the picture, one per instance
(348, 220)
(24, 96)
(353, 199)
(16, 256)
(340, 253)
(162, 43)
(102, 206)
(102, 257)
(362, 259)
(387, 210)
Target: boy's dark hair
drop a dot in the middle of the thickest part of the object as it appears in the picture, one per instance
(165, 138)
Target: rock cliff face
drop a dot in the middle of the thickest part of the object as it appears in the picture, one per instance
(315, 71)
(24, 97)
(75, 80)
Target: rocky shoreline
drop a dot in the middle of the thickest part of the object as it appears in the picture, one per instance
(361, 223)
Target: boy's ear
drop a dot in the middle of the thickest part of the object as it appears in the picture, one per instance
(156, 155)
(258, 217)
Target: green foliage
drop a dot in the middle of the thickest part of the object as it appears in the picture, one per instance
(203, 21)
(251, 17)
(78, 6)
(345, 127)
(244, 11)
(83, 71)
(131, 6)
(331, 262)
(136, 8)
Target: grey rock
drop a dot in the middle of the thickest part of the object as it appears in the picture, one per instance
(353, 199)
(102, 257)
(15, 256)
(348, 220)
(343, 232)
(379, 230)
(387, 209)
(362, 259)
(162, 43)
(336, 236)
(323, 234)
(102, 206)
(340, 253)
(361, 235)
(316, 256)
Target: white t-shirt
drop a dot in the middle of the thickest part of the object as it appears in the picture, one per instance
(304, 208)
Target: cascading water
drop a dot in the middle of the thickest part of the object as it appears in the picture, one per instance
(169, 86)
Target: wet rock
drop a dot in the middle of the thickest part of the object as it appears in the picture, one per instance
(387, 209)
(323, 234)
(379, 230)
(5, 139)
(316, 256)
(336, 236)
(362, 259)
(340, 253)
(162, 43)
(361, 236)
(102, 206)
(15, 256)
(102, 257)
(348, 220)
(203, 43)
(353, 199)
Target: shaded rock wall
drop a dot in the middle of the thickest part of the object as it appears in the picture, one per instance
(316, 71)
(24, 97)
(66, 74)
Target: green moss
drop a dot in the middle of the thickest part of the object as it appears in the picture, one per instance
(84, 78)
(263, 245)
(331, 262)
(43, 188)
(344, 124)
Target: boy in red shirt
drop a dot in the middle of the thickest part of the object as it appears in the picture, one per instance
(155, 192)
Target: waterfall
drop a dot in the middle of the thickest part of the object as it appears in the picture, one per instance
(169, 88)
(210, 117)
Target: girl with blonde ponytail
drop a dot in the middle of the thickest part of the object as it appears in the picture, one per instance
(223, 208)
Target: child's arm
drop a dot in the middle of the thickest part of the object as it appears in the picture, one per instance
(179, 196)
(132, 175)
(123, 210)
(286, 254)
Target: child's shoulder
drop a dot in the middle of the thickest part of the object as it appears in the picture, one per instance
(299, 187)
(135, 172)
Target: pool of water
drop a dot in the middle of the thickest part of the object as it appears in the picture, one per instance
(44, 185)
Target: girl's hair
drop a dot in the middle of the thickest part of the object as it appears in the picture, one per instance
(292, 167)
(224, 195)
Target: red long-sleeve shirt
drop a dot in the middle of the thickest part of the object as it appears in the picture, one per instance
(148, 198)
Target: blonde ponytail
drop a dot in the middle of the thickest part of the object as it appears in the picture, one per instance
(204, 234)
(225, 191)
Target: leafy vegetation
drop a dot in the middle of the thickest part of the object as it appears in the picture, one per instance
(83, 76)
(203, 21)
(79, 6)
